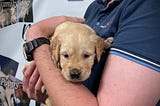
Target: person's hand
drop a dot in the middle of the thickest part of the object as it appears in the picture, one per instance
(32, 83)
(45, 28)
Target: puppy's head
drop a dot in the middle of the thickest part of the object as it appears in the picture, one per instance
(74, 48)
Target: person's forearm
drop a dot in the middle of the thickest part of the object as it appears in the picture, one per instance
(61, 92)
(46, 27)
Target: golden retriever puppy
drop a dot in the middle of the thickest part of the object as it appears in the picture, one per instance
(74, 48)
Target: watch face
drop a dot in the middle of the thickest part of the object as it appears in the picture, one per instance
(27, 53)
(24, 51)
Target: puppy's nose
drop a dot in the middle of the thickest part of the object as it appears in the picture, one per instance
(75, 74)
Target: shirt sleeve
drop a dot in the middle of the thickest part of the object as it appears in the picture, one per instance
(138, 35)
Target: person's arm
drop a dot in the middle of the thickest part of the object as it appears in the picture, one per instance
(45, 28)
(59, 90)
(126, 83)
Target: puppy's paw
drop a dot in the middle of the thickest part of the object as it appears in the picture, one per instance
(48, 102)
(43, 90)
(109, 41)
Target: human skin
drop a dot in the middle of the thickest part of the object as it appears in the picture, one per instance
(123, 83)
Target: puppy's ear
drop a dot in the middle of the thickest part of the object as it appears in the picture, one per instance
(100, 47)
(55, 49)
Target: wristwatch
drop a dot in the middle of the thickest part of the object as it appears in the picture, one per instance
(30, 46)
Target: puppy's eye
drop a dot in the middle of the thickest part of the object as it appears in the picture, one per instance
(86, 56)
(66, 55)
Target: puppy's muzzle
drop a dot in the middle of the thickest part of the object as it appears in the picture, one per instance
(75, 74)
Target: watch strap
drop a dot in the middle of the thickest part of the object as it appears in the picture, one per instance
(39, 41)
(32, 45)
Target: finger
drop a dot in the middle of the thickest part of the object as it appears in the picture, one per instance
(38, 85)
(75, 19)
(33, 80)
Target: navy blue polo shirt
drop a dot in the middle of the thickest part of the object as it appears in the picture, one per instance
(135, 26)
